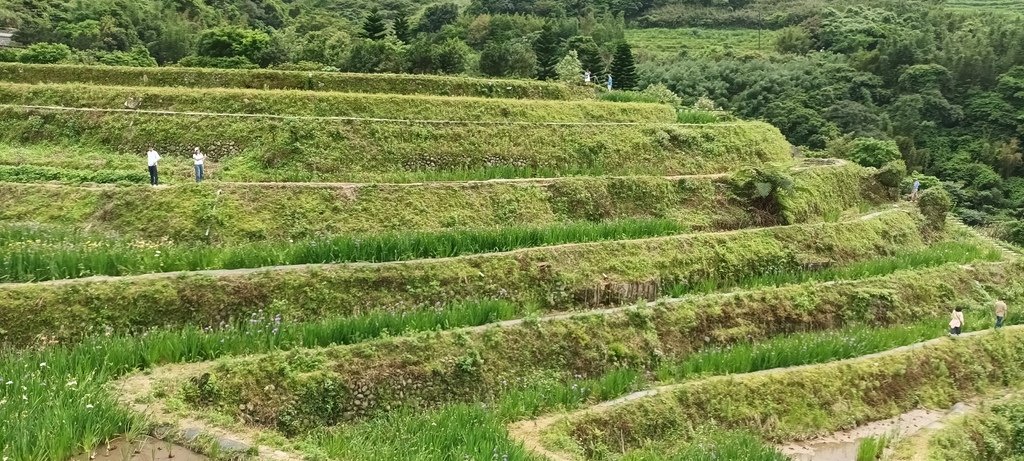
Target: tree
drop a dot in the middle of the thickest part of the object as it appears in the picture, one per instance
(374, 27)
(546, 49)
(569, 70)
(375, 56)
(401, 27)
(873, 152)
(508, 59)
(231, 42)
(588, 52)
(623, 68)
(437, 16)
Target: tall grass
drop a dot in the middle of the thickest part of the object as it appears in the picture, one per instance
(51, 256)
(717, 446)
(872, 448)
(53, 403)
(934, 255)
(813, 347)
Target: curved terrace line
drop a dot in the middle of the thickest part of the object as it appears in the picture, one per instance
(529, 432)
(216, 273)
(356, 119)
(134, 388)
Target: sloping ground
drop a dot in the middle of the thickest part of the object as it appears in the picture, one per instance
(296, 80)
(797, 402)
(330, 104)
(261, 149)
(556, 277)
(989, 430)
(236, 212)
(302, 390)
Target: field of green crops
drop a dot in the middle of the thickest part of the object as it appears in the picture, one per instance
(480, 276)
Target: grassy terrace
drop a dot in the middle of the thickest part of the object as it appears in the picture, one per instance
(283, 149)
(328, 104)
(225, 213)
(294, 80)
(384, 389)
(557, 277)
(797, 403)
(402, 435)
(990, 432)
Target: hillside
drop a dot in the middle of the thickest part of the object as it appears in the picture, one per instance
(719, 258)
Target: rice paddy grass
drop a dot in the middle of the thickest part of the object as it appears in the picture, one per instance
(31, 256)
(67, 383)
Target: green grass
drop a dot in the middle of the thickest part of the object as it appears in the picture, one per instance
(326, 104)
(872, 448)
(54, 400)
(988, 6)
(696, 42)
(935, 255)
(296, 80)
(31, 256)
(813, 347)
(713, 446)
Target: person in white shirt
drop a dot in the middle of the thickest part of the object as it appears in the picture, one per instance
(153, 157)
(198, 158)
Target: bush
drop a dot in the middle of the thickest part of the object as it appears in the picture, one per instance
(892, 174)
(661, 93)
(935, 204)
(236, 62)
(9, 55)
(763, 188)
(45, 53)
(873, 152)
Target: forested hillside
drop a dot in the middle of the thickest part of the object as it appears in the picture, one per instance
(940, 85)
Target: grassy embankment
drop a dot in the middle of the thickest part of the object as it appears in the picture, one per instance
(559, 278)
(272, 149)
(291, 80)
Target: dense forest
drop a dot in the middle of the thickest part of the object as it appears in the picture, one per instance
(879, 80)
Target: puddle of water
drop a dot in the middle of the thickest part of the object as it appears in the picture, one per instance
(148, 449)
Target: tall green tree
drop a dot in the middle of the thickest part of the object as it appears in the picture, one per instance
(623, 68)
(546, 49)
(437, 16)
(374, 27)
(588, 52)
(401, 27)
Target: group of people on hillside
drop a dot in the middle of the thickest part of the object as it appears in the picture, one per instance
(956, 321)
(153, 159)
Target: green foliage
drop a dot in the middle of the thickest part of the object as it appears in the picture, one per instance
(234, 42)
(623, 68)
(892, 174)
(794, 40)
(385, 55)
(374, 27)
(546, 48)
(662, 94)
(508, 59)
(873, 152)
(569, 70)
(556, 278)
(765, 189)
(935, 203)
(437, 16)
(45, 53)
(270, 79)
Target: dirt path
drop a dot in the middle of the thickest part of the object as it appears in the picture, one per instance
(219, 273)
(529, 432)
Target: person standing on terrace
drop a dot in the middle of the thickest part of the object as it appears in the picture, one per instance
(956, 322)
(153, 158)
(1000, 306)
(198, 158)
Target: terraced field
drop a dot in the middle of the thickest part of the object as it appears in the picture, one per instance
(397, 268)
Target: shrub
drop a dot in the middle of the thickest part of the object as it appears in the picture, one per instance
(763, 188)
(873, 152)
(45, 53)
(661, 93)
(570, 69)
(892, 174)
(935, 204)
(236, 62)
(9, 55)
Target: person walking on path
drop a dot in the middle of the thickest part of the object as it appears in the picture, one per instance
(153, 158)
(609, 82)
(198, 158)
(956, 321)
(913, 190)
(1000, 306)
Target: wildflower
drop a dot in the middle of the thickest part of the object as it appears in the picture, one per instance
(8, 383)
(42, 365)
(88, 406)
(72, 383)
